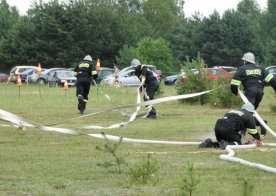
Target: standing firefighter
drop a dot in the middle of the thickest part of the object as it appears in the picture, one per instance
(84, 72)
(228, 128)
(252, 78)
(149, 82)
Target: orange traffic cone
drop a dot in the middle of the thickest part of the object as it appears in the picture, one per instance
(65, 87)
(39, 70)
(98, 64)
(18, 83)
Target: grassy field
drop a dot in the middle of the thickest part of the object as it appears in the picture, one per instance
(35, 162)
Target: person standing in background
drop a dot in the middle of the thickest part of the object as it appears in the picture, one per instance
(116, 73)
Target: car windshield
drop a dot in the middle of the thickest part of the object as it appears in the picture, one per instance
(64, 74)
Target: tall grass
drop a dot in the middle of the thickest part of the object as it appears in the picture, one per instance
(34, 162)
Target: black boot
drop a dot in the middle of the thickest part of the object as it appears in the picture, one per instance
(263, 130)
(206, 144)
(81, 104)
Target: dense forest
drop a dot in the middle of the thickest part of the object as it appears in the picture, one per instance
(157, 32)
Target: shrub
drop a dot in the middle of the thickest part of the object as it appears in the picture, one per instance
(193, 83)
(144, 171)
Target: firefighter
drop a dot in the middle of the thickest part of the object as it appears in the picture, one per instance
(149, 82)
(252, 78)
(84, 72)
(228, 128)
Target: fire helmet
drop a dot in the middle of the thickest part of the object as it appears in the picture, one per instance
(249, 57)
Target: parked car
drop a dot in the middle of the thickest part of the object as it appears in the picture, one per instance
(25, 76)
(211, 73)
(156, 72)
(272, 70)
(103, 72)
(58, 78)
(216, 73)
(171, 80)
(43, 78)
(4, 77)
(18, 70)
(230, 69)
(126, 78)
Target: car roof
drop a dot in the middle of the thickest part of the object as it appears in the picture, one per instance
(272, 66)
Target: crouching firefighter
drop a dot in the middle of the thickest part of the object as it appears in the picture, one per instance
(149, 82)
(228, 129)
(84, 72)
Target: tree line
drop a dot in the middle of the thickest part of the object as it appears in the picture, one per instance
(157, 32)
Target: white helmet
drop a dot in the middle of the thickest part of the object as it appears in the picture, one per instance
(248, 107)
(87, 58)
(249, 57)
(135, 63)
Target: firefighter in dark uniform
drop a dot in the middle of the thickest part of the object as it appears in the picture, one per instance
(252, 78)
(228, 128)
(149, 82)
(84, 72)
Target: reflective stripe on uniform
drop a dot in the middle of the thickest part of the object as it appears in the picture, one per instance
(94, 73)
(84, 65)
(235, 82)
(252, 131)
(268, 77)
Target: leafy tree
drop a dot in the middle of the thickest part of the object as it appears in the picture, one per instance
(156, 52)
(161, 15)
(17, 47)
(269, 30)
(126, 54)
(213, 40)
(184, 38)
(9, 17)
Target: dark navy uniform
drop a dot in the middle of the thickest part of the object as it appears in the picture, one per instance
(252, 78)
(84, 72)
(151, 84)
(228, 127)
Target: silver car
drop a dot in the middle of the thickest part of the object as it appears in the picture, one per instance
(126, 78)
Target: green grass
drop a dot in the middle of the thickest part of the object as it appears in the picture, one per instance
(35, 162)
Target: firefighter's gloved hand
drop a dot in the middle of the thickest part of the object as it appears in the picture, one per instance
(259, 143)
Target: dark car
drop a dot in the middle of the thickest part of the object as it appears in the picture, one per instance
(171, 80)
(103, 72)
(4, 77)
(58, 78)
(272, 70)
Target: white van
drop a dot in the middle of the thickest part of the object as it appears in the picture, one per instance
(17, 70)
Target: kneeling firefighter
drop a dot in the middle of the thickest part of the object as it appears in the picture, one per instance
(84, 72)
(149, 82)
